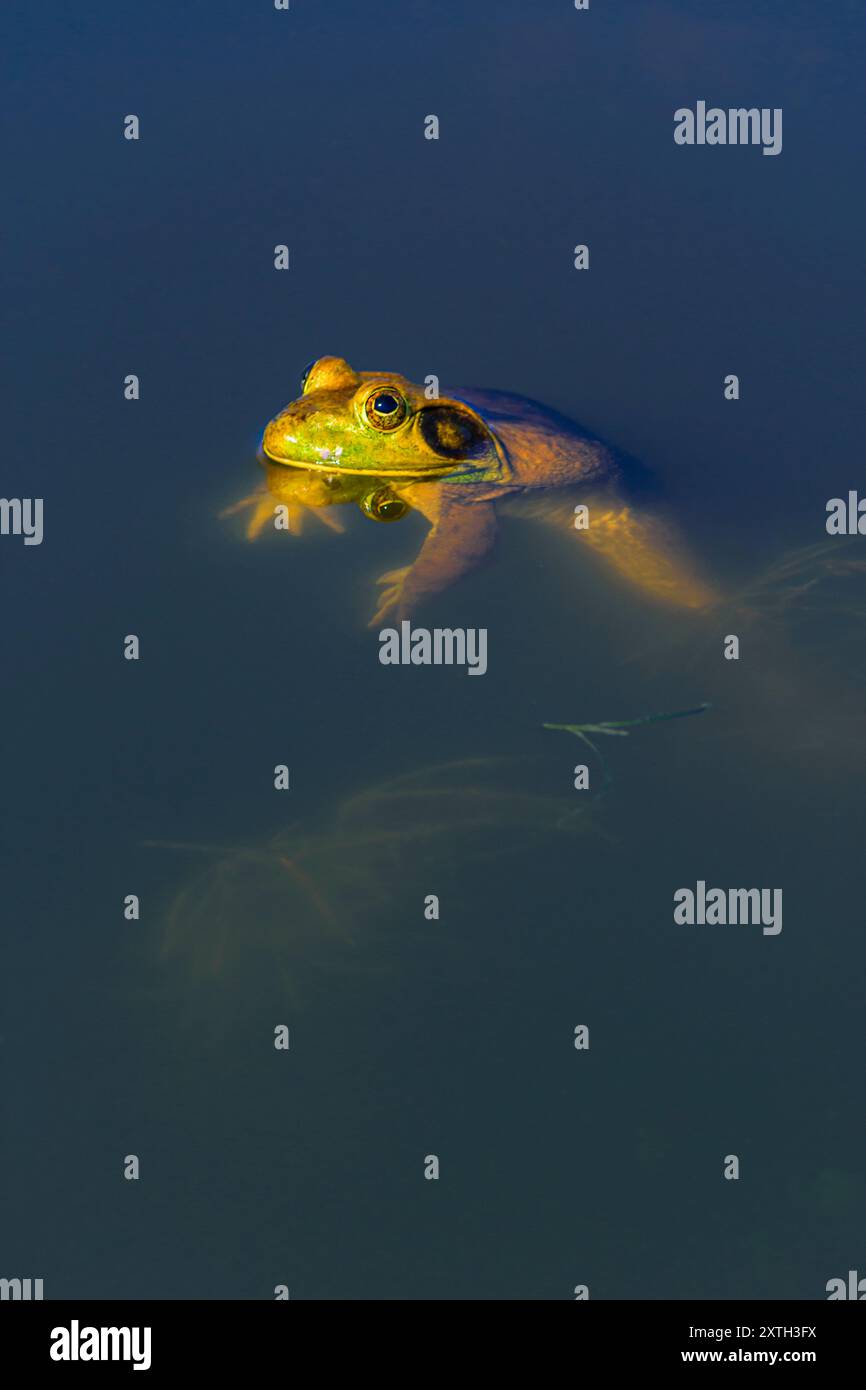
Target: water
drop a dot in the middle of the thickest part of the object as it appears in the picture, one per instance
(411, 1037)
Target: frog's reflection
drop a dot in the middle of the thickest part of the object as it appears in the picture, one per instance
(291, 916)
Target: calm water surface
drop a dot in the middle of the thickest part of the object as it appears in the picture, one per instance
(412, 1037)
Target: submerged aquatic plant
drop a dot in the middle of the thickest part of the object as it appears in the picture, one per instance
(314, 904)
(619, 728)
(809, 583)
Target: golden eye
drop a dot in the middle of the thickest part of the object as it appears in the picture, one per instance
(383, 505)
(385, 410)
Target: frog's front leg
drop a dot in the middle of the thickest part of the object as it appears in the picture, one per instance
(462, 534)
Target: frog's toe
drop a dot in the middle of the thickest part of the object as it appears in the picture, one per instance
(388, 601)
(392, 600)
(263, 513)
(395, 577)
(251, 501)
(332, 522)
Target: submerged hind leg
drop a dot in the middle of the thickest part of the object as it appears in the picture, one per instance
(642, 549)
(646, 553)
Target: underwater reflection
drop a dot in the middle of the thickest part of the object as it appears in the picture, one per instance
(289, 918)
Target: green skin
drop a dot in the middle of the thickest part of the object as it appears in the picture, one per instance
(376, 439)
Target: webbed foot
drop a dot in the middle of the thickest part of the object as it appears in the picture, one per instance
(392, 600)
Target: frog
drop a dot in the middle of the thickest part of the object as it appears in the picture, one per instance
(379, 441)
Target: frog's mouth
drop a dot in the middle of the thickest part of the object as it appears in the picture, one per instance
(335, 466)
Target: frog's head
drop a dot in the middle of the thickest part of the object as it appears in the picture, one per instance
(376, 423)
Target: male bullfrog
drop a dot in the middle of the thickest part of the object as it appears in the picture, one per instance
(376, 439)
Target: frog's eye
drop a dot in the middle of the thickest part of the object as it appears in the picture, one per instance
(383, 505)
(309, 367)
(385, 410)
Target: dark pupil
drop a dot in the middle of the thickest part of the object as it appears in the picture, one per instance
(385, 404)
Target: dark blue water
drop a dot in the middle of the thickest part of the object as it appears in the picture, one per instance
(411, 1037)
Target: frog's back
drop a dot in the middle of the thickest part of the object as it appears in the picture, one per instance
(543, 448)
